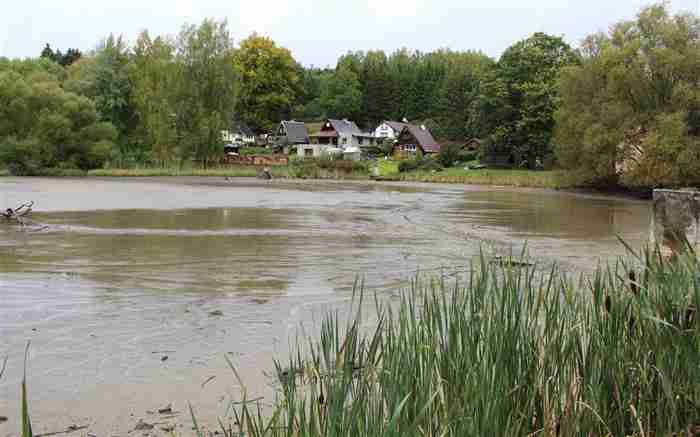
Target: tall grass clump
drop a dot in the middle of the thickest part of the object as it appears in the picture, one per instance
(512, 351)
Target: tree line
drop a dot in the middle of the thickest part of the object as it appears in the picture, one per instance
(620, 108)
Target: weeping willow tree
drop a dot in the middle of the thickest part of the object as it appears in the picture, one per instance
(630, 112)
(205, 84)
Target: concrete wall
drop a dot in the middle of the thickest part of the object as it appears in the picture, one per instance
(313, 150)
(676, 217)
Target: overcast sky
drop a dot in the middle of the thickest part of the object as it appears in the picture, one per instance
(316, 31)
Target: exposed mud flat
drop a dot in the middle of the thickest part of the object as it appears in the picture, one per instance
(137, 288)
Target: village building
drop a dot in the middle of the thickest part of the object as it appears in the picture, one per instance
(390, 129)
(343, 134)
(292, 132)
(239, 133)
(416, 138)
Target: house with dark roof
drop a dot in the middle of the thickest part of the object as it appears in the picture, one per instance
(414, 138)
(238, 133)
(292, 132)
(390, 129)
(343, 134)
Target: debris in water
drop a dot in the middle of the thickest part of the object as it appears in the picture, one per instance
(216, 313)
(3, 419)
(70, 429)
(164, 358)
(510, 262)
(211, 378)
(143, 426)
(166, 410)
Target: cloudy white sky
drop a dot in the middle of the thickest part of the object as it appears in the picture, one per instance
(317, 31)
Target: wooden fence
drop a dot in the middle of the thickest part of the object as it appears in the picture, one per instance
(257, 160)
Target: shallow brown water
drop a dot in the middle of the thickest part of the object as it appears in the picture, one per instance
(129, 271)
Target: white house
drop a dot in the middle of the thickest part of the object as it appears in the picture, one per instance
(390, 129)
(343, 134)
(238, 133)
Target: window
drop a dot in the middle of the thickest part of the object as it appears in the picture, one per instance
(308, 152)
(360, 140)
(345, 140)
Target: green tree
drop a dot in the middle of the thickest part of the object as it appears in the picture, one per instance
(44, 126)
(341, 92)
(268, 82)
(524, 89)
(205, 89)
(63, 59)
(378, 91)
(630, 112)
(112, 89)
(152, 73)
(308, 104)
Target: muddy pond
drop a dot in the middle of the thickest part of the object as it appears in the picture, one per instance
(132, 291)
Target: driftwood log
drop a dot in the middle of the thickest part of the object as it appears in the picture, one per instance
(19, 214)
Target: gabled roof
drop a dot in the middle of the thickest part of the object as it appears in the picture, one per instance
(296, 131)
(424, 137)
(396, 125)
(345, 127)
(240, 127)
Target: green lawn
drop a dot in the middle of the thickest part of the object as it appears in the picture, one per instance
(387, 168)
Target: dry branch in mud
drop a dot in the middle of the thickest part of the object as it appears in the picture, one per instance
(19, 215)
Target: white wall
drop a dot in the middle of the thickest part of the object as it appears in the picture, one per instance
(229, 137)
(385, 131)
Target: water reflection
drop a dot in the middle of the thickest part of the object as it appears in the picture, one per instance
(555, 215)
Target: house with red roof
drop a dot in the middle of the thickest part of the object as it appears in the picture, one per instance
(342, 134)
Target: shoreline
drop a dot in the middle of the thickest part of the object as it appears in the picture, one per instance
(494, 179)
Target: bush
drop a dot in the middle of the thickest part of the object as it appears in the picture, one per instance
(467, 156)
(48, 127)
(247, 151)
(22, 157)
(97, 155)
(422, 164)
(408, 165)
(449, 154)
(61, 172)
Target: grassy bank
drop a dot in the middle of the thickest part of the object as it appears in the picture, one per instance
(306, 168)
(509, 352)
(515, 178)
(326, 169)
(228, 171)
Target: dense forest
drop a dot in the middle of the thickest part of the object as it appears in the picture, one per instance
(624, 107)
